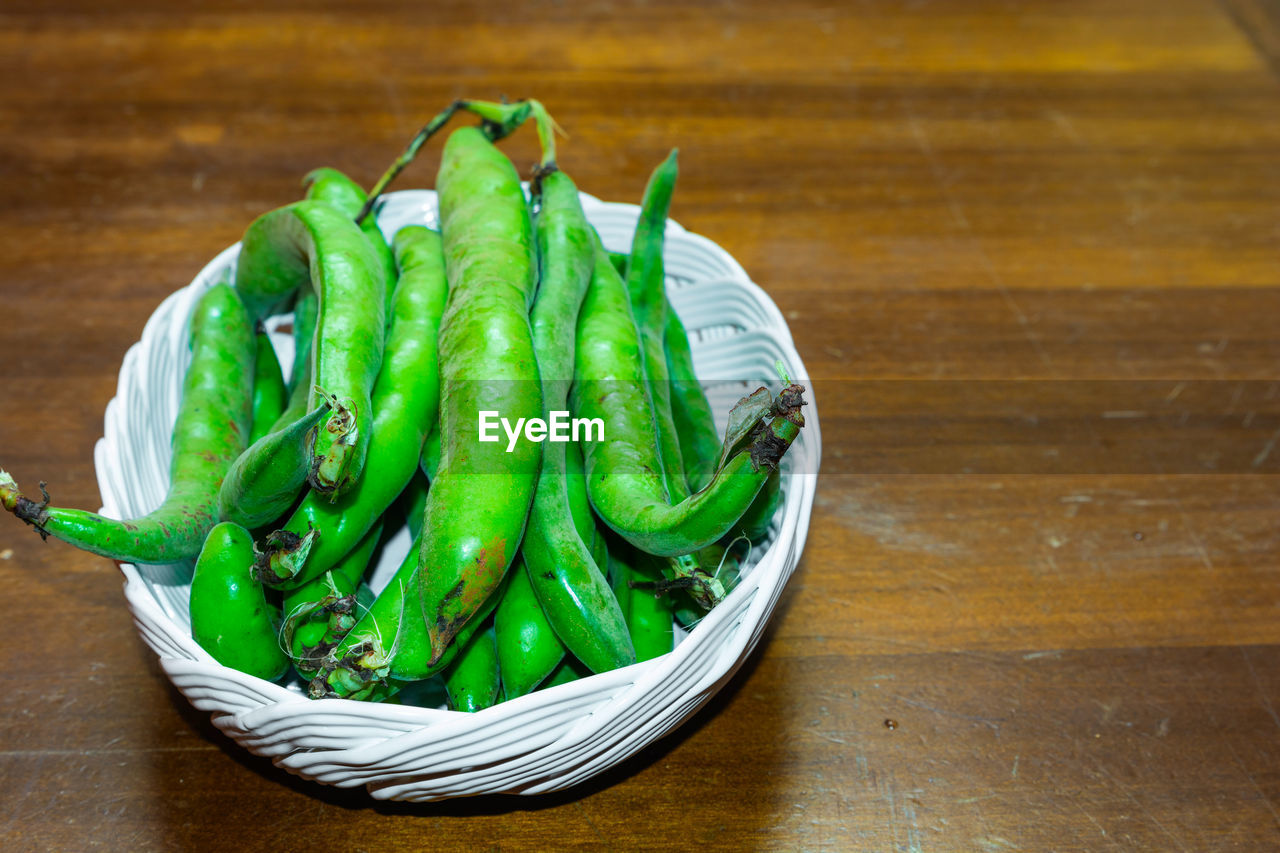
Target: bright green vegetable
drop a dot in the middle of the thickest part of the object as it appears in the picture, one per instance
(413, 501)
(574, 592)
(267, 478)
(312, 241)
(527, 645)
(405, 402)
(645, 279)
(305, 307)
(646, 287)
(638, 581)
(326, 184)
(699, 440)
(389, 644)
(429, 462)
(210, 432)
(570, 669)
(480, 497)
(472, 681)
(331, 600)
(624, 478)
(231, 618)
(691, 413)
(270, 396)
(471, 527)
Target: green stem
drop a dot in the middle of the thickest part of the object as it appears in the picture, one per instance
(499, 121)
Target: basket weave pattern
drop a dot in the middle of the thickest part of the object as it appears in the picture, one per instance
(548, 740)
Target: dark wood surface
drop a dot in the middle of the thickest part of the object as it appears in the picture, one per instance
(1029, 252)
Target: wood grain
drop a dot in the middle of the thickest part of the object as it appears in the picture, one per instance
(1029, 254)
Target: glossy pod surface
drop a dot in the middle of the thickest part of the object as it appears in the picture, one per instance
(313, 243)
(405, 401)
(230, 615)
(479, 500)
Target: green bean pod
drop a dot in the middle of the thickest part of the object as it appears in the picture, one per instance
(473, 681)
(624, 479)
(528, 646)
(405, 402)
(267, 478)
(305, 308)
(691, 413)
(331, 600)
(429, 463)
(584, 521)
(231, 618)
(389, 644)
(212, 426)
(575, 486)
(270, 396)
(313, 241)
(574, 592)
(480, 497)
(695, 426)
(646, 289)
(755, 522)
(331, 185)
(570, 669)
(326, 184)
(646, 286)
(683, 417)
(638, 580)
(298, 404)
(310, 628)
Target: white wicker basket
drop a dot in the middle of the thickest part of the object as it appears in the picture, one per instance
(548, 740)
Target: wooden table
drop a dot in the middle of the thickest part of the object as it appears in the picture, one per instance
(1029, 252)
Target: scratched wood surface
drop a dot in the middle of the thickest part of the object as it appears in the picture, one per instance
(1029, 254)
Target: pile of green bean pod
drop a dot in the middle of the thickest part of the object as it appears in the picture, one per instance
(535, 560)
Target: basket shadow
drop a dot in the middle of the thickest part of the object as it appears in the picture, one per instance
(490, 804)
(654, 753)
(764, 730)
